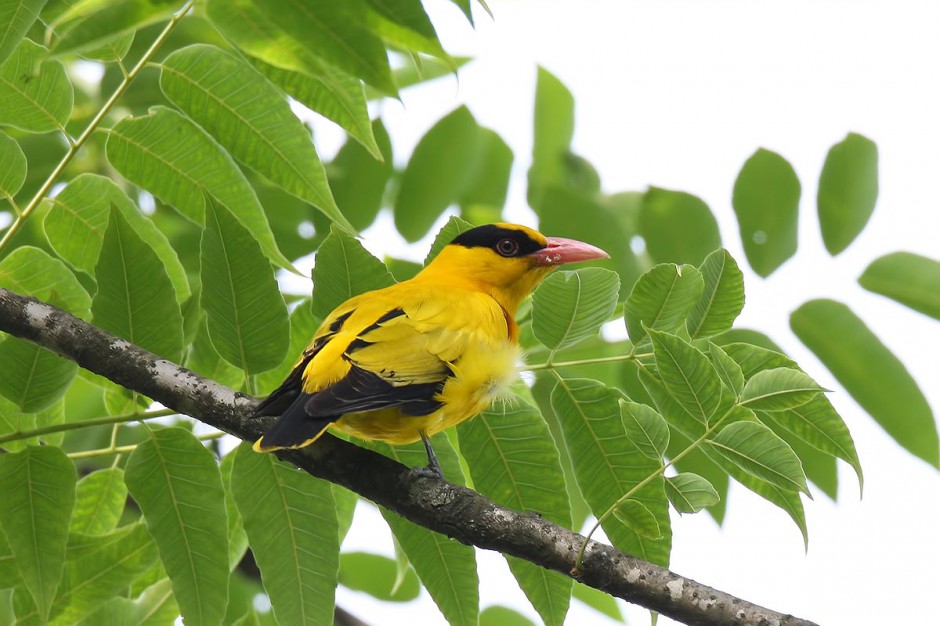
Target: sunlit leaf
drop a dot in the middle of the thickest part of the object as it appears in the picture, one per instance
(572, 305)
(870, 372)
(16, 17)
(766, 200)
(911, 279)
(245, 113)
(12, 163)
(38, 487)
(291, 524)
(176, 482)
(722, 297)
(758, 451)
(445, 235)
(344, 269)
(690, 493)
(35, 93)
(443, 163)
(246, 314)
(89, 24)
(662, 298)
(646, 428)
(848, 190)
(99, 502)
(677, 227)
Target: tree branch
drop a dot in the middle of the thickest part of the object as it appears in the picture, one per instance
(443, 507)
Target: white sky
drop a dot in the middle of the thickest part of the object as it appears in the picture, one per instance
(678, 94)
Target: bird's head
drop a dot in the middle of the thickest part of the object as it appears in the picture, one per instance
(507, 261)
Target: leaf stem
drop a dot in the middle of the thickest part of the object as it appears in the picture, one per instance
(76, 144)
(550, 365)
(96, 421)
(86, 454)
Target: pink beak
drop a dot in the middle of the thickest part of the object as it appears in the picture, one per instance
(559, 251)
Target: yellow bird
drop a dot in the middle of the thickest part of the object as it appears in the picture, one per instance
(405, 362)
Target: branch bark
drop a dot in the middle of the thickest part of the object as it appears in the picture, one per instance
(443, 507)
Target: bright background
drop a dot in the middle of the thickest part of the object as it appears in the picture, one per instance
(677, 94)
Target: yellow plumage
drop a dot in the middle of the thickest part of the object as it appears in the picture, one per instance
(402, 363)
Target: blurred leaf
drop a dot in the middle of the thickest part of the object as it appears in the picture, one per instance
(177, 484)
(443, 164)
(302, 37)
(135, 298)
(778, 389)
(757, 450)
(722, 298)
(12, 163)
(89, 24)
(503, 616)
(17, 16)
(445, 235)
(554, 129)
(291, 523)
(344, 269)
(359, 180)
(766, 200)
(78, 219)
(237, 537)
(646, 428)
(677, 227)
(848, 190)
(607, 464)
(688, 375)
(690, 493)
(35, 93)
(572, 305)
(870, 372)
(661, 299)
(38, 487)
(405, 24)
(252, 120)
(599, 601)
(303, 325)
(375, 575)
(154, 607)
(168, 155)
(99, 502)
(491, 184)
(514, 462)
(748, 336)
(245, 311)
(911, 279)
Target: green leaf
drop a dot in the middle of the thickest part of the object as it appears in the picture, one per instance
(359, 180)
(722, 297)
(16, 17)
(99, 502)
(404, 23)
(607, 464)
(237, 537)
(447, 569)
(503, 616)
(303, 325)
(443, 163)
(599, 601)
(78, 219)
(690, 493)
(757, 450)
(135, 298)
(638, 518)
(677, 227)
(171, 157)
(687, 375)
(908, 278)
(870, 372)
(291, 523)
(246, 314)
(176, 482)
(778, 389)
(34, 378)
(646, 428)
(12, 162)
(554, 129)
(35, 93)
(90, 24)
(38, 487)
(252, 120)
(303, 36)
(661, 299)
(491, 184)
(154, 607)
(728, 369)
(344, 269)
(32, 272)
(766, 200)
(445, 235)
(514, 462)
(572, 305)
(848, 190)
(103, 573)
(375, 575)
(337, 96)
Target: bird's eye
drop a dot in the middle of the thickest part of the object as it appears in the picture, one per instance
(507, 247)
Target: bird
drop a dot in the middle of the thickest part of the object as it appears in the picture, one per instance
(404, 362)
